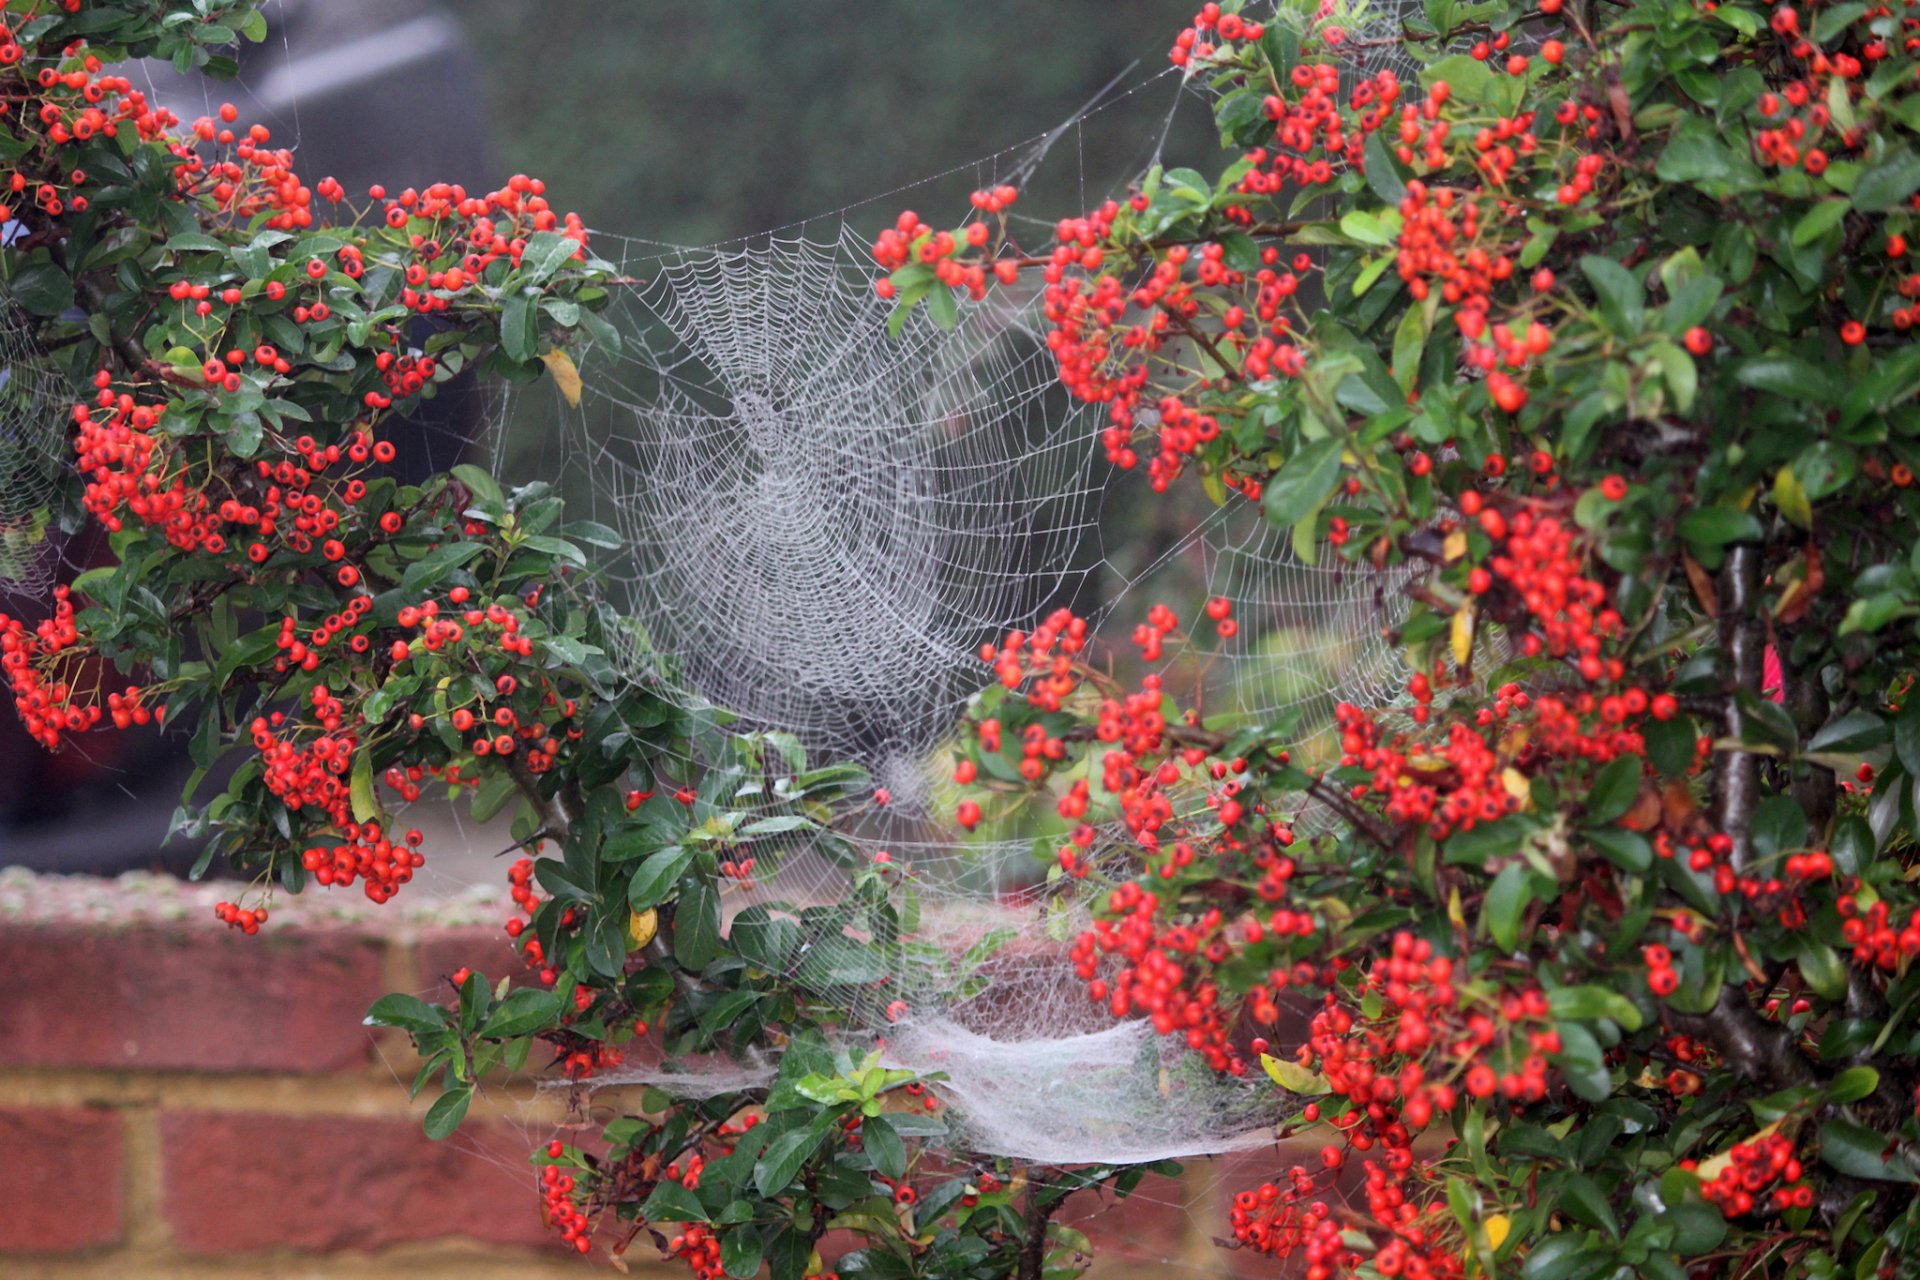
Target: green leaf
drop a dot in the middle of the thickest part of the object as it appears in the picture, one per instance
(1615, 788)
(524, 1010)
(783, 1159)
(696, 924)
(1714, 527)
(1409, 342)
(1565, 1255)
(1506, 905)
(1582, 1198)
(671, 1202)
(480, 484)
(1697, 1228)
(1853, 1084)
(1858, 1151)
(1383, 175)
(1622, 301)
(493, 796)
(429, 570)
(546, 253)
(1791, 377)
(1281, 44)
(520, 327)
(1582, 1063)
(942, 309)
(1695, 153)
(741, 1251)
(409, 1013)
(1823, 969)
(43, 289)
(1367, 228)
(1817, 221)
(1851, 734)
(1594, 1002)
(447, 1111)
(883, 1145)
(1825, 468)
(1625, 849)
(1888, 184)
(1300, 486)
(654, 879)
(1874, 612)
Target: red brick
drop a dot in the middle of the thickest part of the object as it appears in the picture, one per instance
(186, 998)
(61, 1180)
(237, 1182)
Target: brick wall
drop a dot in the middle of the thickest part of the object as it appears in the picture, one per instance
(177, 1100)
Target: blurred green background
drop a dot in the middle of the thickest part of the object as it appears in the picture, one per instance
(692, 123)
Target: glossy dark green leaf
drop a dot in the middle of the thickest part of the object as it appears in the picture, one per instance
(671, 1202)
(1302, 484)
(783, 1159)
(1582, 1198)
(1887, 184)
(1590, 1001)
(883, 1146)
(43, 290)
(524, 1010)
(1614, 790)
(654, 880)
(447, 1111)
(741, 1251)
(520, 327)
(409, 1013)
(1852, 733)
(1861, 1152)
(696, 924)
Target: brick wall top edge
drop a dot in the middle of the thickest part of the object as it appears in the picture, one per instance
(141, 897)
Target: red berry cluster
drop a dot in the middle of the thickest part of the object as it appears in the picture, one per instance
(1162, 974)
(42, 668)
(248, 920)
(73, 106)
(1763, 1171)
(1876, 940)
(1209, 25)
(557, 1206)
(1395, 1074)
(911, 241)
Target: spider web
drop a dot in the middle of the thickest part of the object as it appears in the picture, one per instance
(823, 522)
(32, 454)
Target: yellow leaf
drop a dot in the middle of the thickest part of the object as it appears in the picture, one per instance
(1498, 1227)
(1517, 785)
(1455, 545)
(366, 807)
(566, 375)
(641, 926)
(1791, 498)
(1462, 634)
(1456, 914)
(1293, 1077)
(1215, 487)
